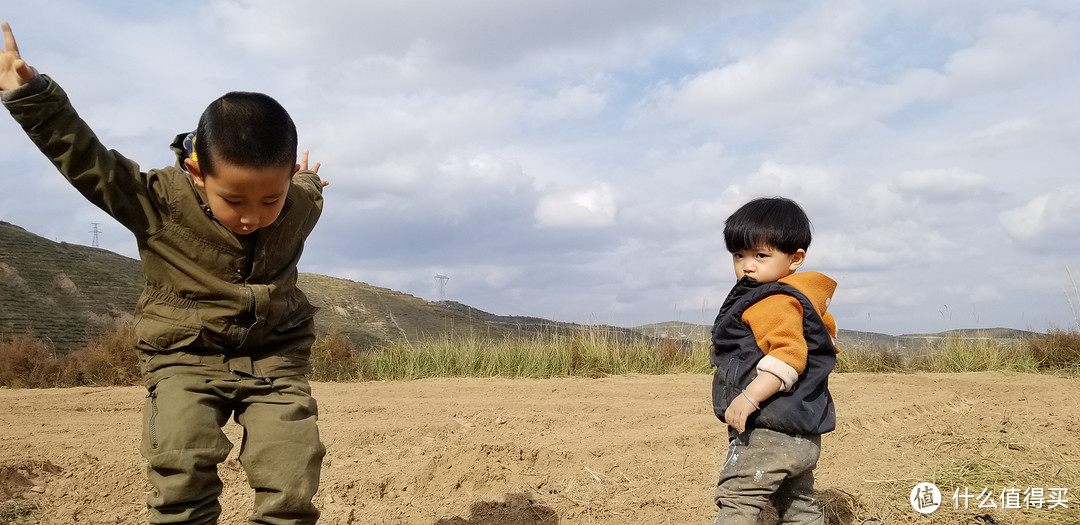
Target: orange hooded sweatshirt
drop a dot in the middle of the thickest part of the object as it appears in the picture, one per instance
(778, 329)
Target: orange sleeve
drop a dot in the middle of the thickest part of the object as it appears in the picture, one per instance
(778, 329)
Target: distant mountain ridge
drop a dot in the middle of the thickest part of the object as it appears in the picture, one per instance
(67, 294)
(852, 338)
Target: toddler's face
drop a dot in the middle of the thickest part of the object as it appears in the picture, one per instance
(245, 199)
(766, 264)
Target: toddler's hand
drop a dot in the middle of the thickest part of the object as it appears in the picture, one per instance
(737, 412)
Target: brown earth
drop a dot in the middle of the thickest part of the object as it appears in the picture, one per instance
(629, 449)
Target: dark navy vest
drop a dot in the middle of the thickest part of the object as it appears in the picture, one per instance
(807, 408)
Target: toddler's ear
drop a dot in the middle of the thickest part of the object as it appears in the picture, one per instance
(797, 259)
(193, 168)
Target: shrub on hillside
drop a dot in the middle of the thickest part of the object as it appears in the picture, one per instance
(26, 362)
(333, 358)
(108, 360)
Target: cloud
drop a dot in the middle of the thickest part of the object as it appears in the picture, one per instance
(590, 206)
(470, 35)
(1048, 220)
(938, 184)
(1013, 48)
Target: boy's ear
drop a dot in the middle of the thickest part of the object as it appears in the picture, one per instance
(296, 168)
(797, 259)
(193, 168)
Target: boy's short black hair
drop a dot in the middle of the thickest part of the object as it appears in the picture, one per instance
(776, 222)
(245, 129)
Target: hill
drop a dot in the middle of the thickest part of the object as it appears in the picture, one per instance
(853, 339)
(60, 292)
(67, 294)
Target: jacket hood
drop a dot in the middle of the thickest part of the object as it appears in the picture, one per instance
(816, 286)
(183, 145)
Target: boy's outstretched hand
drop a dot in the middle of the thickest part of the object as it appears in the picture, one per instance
(14, 71)
(303, 166)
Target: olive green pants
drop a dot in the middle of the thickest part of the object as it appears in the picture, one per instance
(183, 444)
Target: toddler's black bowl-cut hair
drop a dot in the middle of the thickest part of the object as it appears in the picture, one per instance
(776, 222)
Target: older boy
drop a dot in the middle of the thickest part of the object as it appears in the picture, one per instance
(773, 351)
(221, 327)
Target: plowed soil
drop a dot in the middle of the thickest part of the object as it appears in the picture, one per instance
(617, 450)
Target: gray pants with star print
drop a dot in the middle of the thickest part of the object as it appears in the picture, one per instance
(764, 465)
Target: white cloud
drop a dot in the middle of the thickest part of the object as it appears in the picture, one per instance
(936, 184)
(808, 185)
(570, 102)
(1014, 48)
(591, 206)
(1047, 220)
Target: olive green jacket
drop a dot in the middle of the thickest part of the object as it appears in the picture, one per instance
(213, 300)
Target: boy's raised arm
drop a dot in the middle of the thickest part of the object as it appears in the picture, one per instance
(14, 71)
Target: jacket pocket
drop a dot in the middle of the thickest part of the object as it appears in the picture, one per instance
(163, 328)
(299, 316)
(725, 386)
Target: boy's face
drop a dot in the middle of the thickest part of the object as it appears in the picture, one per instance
(766, 264)
(244, 199)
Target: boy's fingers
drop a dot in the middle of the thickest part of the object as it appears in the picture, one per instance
(9, 40)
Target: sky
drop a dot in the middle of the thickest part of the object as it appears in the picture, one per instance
(576, 161)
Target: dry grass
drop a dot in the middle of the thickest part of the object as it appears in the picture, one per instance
(108, 360)
(1056, 351)
(27, 362)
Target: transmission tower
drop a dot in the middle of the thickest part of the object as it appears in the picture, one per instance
(95, 231)
(440, 281)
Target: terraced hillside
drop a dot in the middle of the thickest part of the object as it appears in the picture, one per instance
(66, 293)
(369, 314)
(60, 292)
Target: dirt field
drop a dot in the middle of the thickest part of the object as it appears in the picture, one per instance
(639, 449)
